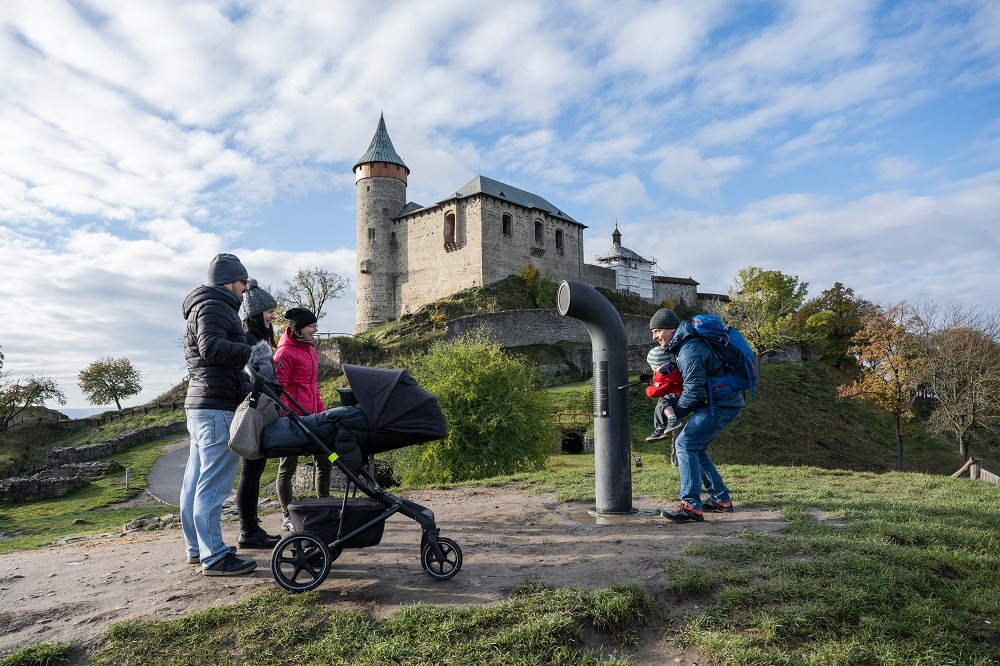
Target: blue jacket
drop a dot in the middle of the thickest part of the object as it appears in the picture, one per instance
(697, 362)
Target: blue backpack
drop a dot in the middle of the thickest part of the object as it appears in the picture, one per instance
(738, 366)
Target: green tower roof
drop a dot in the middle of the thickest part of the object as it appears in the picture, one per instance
(380, 149)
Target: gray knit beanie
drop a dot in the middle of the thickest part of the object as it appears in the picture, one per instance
(256, 300)
(226, 268)
(664, 318)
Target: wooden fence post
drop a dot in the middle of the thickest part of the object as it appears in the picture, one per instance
(976, 469)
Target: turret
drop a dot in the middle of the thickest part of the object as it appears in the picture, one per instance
(380, 177)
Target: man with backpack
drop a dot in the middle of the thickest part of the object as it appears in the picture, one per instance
(711, 409)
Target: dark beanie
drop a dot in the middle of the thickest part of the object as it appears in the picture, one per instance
(664, 318)
(226, 268)
(299, 318)
(256, 300)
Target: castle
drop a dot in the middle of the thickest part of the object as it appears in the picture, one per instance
(409, 255)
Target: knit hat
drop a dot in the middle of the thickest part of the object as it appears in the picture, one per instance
(657, 357)
(226, 268)
(256, 300)
(299, 318)
(664, 318)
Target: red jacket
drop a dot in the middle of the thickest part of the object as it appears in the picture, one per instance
(662, 384)
(297, 366)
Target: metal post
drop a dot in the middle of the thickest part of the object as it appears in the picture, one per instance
(612, 436)
(128, 474)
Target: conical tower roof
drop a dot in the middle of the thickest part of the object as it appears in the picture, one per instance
(380, 149)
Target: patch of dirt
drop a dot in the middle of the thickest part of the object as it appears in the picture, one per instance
(72, 593)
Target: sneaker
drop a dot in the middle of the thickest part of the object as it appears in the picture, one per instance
(195, 559)
(673, 423)
(286, 525)
(230, 565)
(684, 514)
(657, 435)
(258, 539)
(717, 507)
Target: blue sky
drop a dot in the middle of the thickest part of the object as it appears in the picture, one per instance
(853, 141)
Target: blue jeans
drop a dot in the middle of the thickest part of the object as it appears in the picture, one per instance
(208, 481)
(693, 463)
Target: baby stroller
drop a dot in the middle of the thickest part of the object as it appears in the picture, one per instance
(382, 410)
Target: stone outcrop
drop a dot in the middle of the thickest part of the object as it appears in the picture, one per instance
(54, 481)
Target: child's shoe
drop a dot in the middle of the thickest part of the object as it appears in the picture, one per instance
(673, 423)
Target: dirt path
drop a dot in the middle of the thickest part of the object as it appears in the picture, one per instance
(72, 593)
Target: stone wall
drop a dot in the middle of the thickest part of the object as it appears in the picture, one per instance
(54, 482)
(57, 457)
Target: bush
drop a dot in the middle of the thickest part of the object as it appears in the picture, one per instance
(498, 417)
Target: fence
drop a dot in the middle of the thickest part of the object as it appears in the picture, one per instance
(106, 417)
(976, 471)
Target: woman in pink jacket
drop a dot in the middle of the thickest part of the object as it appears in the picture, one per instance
(297, 366)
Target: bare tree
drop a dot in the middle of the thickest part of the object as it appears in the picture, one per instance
(16, 396)
(963, 373)
(110, 380)
(311, 288)
(889, 351)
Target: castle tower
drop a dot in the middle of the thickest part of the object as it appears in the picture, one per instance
(380, 177)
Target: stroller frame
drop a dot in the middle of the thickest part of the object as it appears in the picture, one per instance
(302, 561)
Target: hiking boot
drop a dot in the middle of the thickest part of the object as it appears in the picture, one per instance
(286, 525)
(258, 539)
(657, 435)
(673, 423)
(684, 514)
(230, 565)
(717, 507)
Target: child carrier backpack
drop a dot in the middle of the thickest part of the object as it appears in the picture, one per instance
(738, 364)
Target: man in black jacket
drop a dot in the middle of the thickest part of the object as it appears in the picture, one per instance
(216, 351)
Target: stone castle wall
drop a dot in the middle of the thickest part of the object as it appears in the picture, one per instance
(677, 292)
(378, 200)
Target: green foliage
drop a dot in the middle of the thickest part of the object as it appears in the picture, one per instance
(498, 420)
(108, 380)
(40, 654)
(761, 304)
(829, 321)
(20, 395)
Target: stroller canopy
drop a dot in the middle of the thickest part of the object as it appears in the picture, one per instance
(394, 403)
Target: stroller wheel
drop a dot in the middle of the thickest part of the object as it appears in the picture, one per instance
(300, 562)
(445, 568)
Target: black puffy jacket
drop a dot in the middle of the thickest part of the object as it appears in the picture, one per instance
(215, 349)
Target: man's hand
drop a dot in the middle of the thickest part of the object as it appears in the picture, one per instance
(645, 378)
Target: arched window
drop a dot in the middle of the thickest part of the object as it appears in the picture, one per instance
(449, 231)
(559, 241)
(539, 232)
(508, 225)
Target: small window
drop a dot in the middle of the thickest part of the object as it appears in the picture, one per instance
(559, 241)
(366, 266)
(393, 245)
(508, 225)
(371, 234)
(449, 231)
(539, 232)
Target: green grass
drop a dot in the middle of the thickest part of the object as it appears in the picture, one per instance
(538, 625)
(85, 510)
(41, 654)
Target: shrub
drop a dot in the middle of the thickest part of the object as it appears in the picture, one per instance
(498, 417)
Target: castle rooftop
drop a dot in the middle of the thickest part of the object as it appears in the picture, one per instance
(381, 150)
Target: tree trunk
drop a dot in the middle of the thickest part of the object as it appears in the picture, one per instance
(118, 404)
(899, 447)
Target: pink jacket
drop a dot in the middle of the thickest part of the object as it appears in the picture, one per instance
(297, 365)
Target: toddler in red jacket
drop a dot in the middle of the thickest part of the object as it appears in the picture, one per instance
(666, 385)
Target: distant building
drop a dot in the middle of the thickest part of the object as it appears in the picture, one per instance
(409, 254)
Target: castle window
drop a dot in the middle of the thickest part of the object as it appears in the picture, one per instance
(371, 234)
(508, 224)
(449, 232)
(539, 232)
(559, 242)
(393, 245)
(366, 266)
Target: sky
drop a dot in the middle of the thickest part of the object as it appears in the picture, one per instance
(853, 141)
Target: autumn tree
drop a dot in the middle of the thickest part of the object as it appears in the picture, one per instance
(761, 304)
(890, 355)
(19, 395)
(109, 380)
(829, 322)
(963, 374)
(311, 288)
